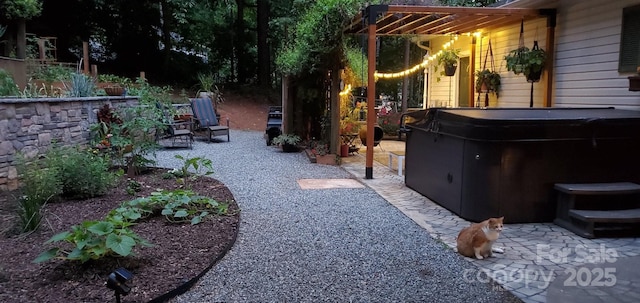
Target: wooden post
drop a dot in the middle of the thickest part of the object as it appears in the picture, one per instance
(142, 75)
(85, 56)
(550, 45)
(472, 67)
(371, 90)
(94, 70)
(335, 111)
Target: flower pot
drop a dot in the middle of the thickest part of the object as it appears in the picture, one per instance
(518, 68)
(534, 76)
(634, 83)
(450, 70)
(114, 90)
(289, 148)
(344, 150)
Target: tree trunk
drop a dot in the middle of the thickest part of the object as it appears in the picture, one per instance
(21, 38)
(405, 80)
(165, 20)
(264, 64)
(239, 43)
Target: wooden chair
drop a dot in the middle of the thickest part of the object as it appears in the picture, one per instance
(206, 119)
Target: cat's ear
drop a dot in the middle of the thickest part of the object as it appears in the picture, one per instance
(501, 218)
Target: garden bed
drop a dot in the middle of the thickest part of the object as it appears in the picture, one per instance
(181, 252)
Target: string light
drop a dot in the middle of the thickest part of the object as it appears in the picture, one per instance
(424, 63)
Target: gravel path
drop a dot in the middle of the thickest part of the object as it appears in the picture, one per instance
(330, 245)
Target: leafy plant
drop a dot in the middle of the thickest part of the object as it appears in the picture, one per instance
(196, 163)
(207, 82)
(81, 85)
(133, 187)
(390, 123)
(21, 9)
(447, 58)
(525, 61)
(112, 236)
(81, 173)
(290, 139)
(94, 240)
(7, 86)
(40, 185)
(490, 79)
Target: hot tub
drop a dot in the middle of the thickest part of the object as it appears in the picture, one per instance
(481, 163)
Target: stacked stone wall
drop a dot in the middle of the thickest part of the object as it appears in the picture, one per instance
(30, 126)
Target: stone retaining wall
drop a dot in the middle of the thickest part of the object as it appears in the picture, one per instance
(29, 126)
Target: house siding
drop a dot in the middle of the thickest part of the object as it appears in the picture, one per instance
(587, 48)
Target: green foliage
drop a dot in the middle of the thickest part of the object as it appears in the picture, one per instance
(92, 240)
(40, 184)
(7, 86)
(490, 79)
(526, 61)
(52, 73)
(206, 81)
(198, 164)
(357, 62)
(81, 85)
(21, 9)
(81, 173)
(133, 187)
(390, 123)
(316, 43)
(110, 78)
(286, 139)
(448, 57)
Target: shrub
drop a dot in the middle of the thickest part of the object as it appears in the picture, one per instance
(81, 85)
(7, 85)
(390, 123)
(81, 173)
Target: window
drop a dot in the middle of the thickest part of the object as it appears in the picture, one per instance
(630, 41)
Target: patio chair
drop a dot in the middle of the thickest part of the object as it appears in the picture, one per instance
(174, 129)
(206, 119)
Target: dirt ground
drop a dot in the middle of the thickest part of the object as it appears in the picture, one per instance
(246, 112)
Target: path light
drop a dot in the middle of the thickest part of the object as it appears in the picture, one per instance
(117, 281)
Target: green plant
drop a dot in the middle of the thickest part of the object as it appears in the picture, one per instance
(390, 123)
(283, 139)
(30, 90)
(81, 173)
(22, 9)
(94, 240)
(447, 58)
(526, 61)
(196, 163)
(40, 184)
(490, 80)
(7, 86)
(112, 236)
(207, 81)
(133, 187)
(81, 85)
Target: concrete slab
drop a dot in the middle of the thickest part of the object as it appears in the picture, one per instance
(329, 183)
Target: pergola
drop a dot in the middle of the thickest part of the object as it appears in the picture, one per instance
(385, 20)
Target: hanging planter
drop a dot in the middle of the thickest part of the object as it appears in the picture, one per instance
(529, 62)
(448, 58)
(450, 70)
(487, 82)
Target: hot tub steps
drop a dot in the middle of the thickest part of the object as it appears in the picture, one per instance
(599, 209)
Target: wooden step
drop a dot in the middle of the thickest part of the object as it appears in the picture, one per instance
(607, 216)
(617, 188)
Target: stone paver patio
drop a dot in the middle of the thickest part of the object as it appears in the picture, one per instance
(535, 254)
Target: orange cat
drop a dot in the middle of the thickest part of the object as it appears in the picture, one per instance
(477, 239)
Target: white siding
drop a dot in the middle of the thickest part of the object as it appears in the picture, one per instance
(587, 46)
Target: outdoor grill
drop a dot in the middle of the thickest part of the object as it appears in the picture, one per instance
(274, 123)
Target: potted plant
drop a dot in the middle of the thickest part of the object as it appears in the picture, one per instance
(288, 142)
(529, 62)
(449, 59)
(487, 81)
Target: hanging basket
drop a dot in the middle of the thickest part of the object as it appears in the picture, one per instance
(534, 76)
(450, 70)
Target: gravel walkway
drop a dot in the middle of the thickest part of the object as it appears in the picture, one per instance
(329, 245)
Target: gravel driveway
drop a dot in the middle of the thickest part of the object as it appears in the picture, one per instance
(327, 245)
